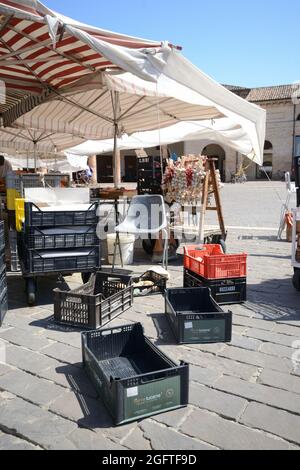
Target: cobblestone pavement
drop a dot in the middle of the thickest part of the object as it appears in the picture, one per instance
(243, 395)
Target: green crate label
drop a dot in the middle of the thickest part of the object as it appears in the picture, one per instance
(205, 330)
(152, 397)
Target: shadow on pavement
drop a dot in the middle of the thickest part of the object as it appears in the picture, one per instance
(95, 414)
(274, 300)
(44, 292)
(164, 332)
(49, 324)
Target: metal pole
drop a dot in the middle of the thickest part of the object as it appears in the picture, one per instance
(116, 156)
(35, 159)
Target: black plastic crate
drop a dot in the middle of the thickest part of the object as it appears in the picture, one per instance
(159, 284)
(73, 260)
(95, 304)
(2, 261)
(133, 377)
(224, 291)
(36, 217)
(2, 238)
(196, 318)
(60, 237)
(3, 279)
(3, 305)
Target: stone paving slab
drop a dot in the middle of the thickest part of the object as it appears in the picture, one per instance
(257, 359)
(30, 388)
(228, 435)
(282, 381)
(277, 422)
(244, 395)
(21, 338)
(163, 438)
(224, 404)
(256, 392)
(9, 442)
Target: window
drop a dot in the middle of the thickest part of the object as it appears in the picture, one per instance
(298, 118)
(297, 146)
(268, 145)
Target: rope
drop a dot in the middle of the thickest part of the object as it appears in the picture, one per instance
(273, 187)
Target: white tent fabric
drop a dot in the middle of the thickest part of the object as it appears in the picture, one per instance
(166, 63)
(62, 164)
(219, 131)
(140, 106)
(126, 103)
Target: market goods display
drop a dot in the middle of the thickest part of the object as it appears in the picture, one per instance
(183, 180)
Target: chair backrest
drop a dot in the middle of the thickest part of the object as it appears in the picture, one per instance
(147, 214)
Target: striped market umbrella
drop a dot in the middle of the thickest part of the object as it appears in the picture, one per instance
(64, 77)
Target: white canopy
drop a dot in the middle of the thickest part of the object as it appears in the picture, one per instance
(124, 103)
(184, 131)
(62, 163)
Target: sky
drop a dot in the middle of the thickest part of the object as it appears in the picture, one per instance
(247, 43)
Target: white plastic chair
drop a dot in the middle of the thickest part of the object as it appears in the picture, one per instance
(146, 216)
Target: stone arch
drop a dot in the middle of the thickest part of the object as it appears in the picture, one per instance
(268, 162)
(215, 150)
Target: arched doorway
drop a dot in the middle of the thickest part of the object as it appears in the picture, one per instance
(216, 151)
(266, 171)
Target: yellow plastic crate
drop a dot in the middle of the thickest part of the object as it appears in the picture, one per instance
(20, 213)
(11, 196)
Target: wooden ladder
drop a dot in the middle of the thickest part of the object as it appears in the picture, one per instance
(211, 180)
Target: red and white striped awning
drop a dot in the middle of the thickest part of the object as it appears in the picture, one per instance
(65, 77)
(31, 141)
(42, 52)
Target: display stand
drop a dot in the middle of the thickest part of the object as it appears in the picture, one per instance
(211, 180)
(202, 233)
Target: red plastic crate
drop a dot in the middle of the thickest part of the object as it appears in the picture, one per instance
(210, 262)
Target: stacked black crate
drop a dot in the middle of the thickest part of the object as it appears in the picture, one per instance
(59, 241)
(225, 275)
(150, 173)
(3, 281)
(224, 291)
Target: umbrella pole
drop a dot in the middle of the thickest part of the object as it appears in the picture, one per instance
(116, 159)
(116, 156)
(35, 162)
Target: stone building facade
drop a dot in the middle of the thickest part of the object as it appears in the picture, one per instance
(282, 134)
